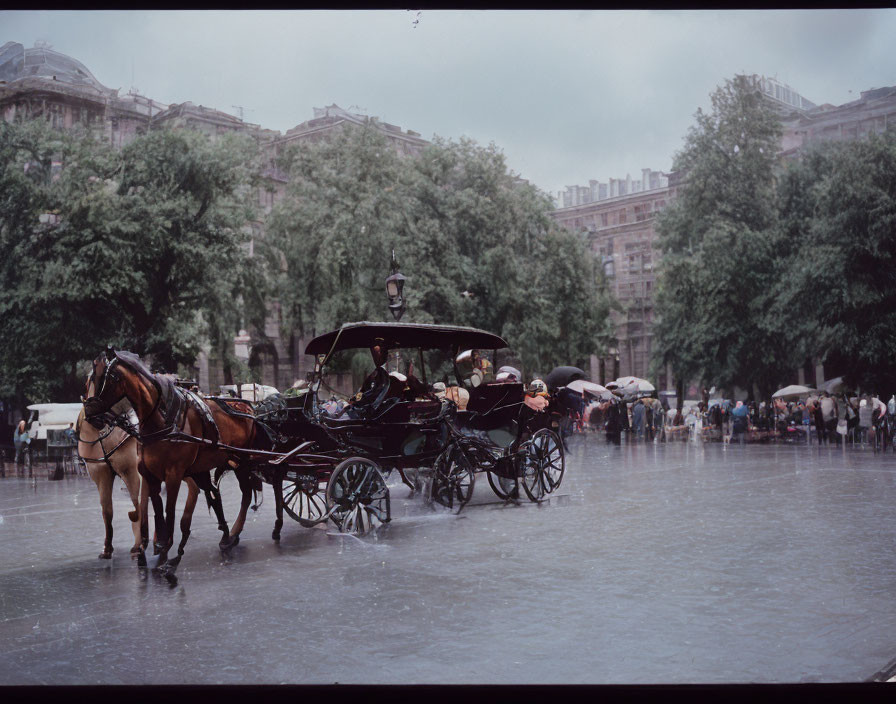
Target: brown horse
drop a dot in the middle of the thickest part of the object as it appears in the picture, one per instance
(180, 437)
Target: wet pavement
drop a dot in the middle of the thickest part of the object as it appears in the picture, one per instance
(668, 563)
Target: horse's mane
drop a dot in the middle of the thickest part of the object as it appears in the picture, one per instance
(162, 382)
(133, 360)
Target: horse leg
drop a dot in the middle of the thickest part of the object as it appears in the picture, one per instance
(244, 478)
(213, 496)
(277, 483)
(172, 488)
(104, 479)
(131, 479)
(186, 520)
(154, 486)
(144, 510)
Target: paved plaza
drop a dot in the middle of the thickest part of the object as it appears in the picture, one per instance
(657, 563)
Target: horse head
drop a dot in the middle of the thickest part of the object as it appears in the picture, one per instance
(104, 387)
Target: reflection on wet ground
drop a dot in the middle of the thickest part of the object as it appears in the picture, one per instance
(657, 563)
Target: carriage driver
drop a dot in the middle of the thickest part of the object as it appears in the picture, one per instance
(380, 385)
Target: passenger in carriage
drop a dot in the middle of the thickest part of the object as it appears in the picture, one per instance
(537, 395)
(482, 363)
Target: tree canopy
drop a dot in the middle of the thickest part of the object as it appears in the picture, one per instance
(768, 264)
(716, 238)
(837, 294)
(145, 248)
(475, 242)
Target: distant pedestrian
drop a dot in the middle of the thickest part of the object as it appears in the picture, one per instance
(20, 440)
(829, 415)
(740, 422)
(818, 421)
(659, 419)
(611, 411)
(639, 413)
(864, 421)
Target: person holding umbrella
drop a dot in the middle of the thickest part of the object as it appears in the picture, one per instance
(612, 412)
(740, 421)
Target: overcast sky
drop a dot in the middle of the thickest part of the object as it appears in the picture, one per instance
(567, 96)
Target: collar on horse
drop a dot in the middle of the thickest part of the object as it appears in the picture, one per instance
(171, 402)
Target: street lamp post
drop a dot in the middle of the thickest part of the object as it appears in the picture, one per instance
(394, 288)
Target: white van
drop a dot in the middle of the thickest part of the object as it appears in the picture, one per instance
(50, 416)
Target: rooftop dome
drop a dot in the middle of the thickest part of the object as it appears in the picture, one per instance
(18, 62)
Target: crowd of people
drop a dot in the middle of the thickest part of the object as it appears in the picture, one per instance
(823, 418)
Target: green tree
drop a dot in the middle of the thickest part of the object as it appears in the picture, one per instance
(718, 239)
(837, 293)
(148, 252)
(475, 242)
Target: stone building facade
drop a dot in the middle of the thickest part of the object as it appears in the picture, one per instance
(618, 218)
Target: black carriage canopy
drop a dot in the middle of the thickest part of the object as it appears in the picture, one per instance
(402, 335)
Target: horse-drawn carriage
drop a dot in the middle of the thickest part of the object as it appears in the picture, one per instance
(332, 463)
(335, 464)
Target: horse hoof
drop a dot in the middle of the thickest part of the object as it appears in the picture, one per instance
(136, 549)
(233, 541)
(105, 555)
(275, 535)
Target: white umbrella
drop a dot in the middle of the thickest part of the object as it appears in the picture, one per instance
(634, 386)
(834, 386)
(793, 391)
(580, 386)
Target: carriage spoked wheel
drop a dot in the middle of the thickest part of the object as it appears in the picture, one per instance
(505, 488)
(303, 501)
(452, 479)
(542, 464)
(357, 496)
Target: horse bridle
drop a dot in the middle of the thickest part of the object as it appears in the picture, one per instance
(111, 377)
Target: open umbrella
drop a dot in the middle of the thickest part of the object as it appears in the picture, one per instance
(794, 391)
(834, 386)
(635, 387)
(588, 387)
(562, 376)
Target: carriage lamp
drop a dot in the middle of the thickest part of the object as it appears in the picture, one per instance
(394, 287)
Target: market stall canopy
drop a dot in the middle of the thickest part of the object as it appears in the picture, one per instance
(792, 392)
(400, 335)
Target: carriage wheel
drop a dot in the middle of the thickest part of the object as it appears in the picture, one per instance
(358, 496)
(452, 479)
(543, 464)
(303, 502)
(505, 488)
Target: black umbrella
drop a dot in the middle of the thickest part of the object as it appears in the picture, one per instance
(561, 376)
